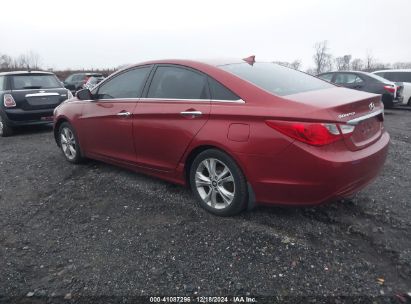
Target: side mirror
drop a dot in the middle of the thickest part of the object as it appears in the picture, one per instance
(84, 94)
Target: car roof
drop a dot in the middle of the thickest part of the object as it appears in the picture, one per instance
(25, 72)
(394, 70)
(347, 71)
(190, 62)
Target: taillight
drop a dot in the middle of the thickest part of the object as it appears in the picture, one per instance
(316, 134)
(9, 101)
(389, 89)
(86, 79)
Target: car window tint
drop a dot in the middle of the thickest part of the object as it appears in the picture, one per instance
(78, 77)
(220, 92)
(326, 77)
(34, 81)
(2, 83)
(398, 76)
(381, 74)
(276, 79)
(346, 78)
(178, 83)
(128, 84)
(358, 79)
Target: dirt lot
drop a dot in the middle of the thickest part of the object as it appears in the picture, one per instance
(97, 230)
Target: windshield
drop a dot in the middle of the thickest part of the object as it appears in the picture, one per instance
(276, 79)
(33, 81)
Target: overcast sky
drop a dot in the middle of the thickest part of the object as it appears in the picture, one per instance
(98, 34)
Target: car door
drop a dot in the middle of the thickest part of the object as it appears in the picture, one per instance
(107, 120)
(176, 106)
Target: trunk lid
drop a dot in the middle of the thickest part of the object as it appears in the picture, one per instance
(344, 106)
(39, 99)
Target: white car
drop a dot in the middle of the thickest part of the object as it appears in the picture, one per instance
(400, 75)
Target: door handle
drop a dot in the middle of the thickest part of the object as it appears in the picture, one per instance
(125, 114)
(191, 113)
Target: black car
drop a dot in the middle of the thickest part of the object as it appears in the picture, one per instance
(367, 82)
(28, 98)
(76, 82)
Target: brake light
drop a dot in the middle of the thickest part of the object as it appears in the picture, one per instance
(9, 101)
(316, 134)
(86, 79)
(389, 89)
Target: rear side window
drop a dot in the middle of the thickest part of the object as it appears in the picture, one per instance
(33, 81)
(128, 84)
(346, 78)
(398, 76)
(326, 77)
(178, 83)
(220, 92)
(2, 84)
(276, 79)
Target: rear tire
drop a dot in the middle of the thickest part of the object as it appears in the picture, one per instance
(69, 143)
(388, 101)
(409, 102)
(5, 129)
(218, 183)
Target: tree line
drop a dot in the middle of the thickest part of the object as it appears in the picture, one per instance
(324, 61)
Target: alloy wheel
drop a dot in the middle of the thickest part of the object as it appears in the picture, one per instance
(68, 143)
(215, 183)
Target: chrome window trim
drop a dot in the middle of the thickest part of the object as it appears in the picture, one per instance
(188, 100)
(42, 94)
(357, 120)
(240, 101)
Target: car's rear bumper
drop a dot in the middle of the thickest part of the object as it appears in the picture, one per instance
(305, 175)
(20, 117)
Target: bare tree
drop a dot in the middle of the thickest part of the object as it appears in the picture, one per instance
(296, 64)
(322, 58)
(343, 63)
(402, 65)
(6, 62)
(339, 63)
(369, 61)
(357, 64)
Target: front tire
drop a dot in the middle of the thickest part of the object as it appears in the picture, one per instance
(5, 129)
(69, 143)
(218, 183)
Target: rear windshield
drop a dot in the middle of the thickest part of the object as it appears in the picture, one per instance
(33, 81)
(379, 78)
(276, 79)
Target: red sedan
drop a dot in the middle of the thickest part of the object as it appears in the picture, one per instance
(238, 132)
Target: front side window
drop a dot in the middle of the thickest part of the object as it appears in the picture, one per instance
(178, 83)
(276, 79)
(128, 84)
(34, 81)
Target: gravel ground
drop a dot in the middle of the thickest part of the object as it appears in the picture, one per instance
(98, 230)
